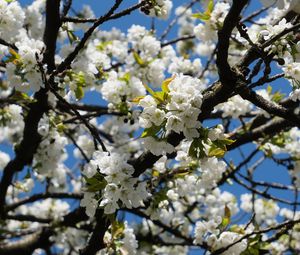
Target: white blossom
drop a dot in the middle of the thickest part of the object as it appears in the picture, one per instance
(130, 243)
(12, 19)
(4, 159)
(120, 183)
(295, 95)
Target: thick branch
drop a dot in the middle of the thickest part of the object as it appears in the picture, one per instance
(96, 241)
(268, 106)
(224, 35)
(37, 197)
(27, 245)
(69, 59)
(31, 138)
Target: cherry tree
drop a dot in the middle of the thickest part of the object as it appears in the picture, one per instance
(180, 149)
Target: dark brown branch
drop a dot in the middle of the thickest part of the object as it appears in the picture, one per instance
(89, 126)
(183, 38)
(96, 241)
(37, 197)
(51, 31)
(114, 16)
(230, 22)
(27, 245)
(264, 80)
(165, 227)
(174, 21)
(266, 130)
(66, 8)
(108, 16)
(231, 172)
(31, 138)
(5, 43)
(267, 184)
(69, 59)
(255, 14)
(286, 224)
(264, 193)
(268, 106)
(69, 135)
(32, 218)
(278, 36)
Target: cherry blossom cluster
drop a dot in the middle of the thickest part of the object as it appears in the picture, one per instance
(120, 188)
(118, 155)
(157, 8)
(175, 109)
(208, 231)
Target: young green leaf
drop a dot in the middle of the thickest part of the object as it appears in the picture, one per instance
(152, 131)
(197, 149)
(138, 59)
(226, 218)
(95, 183)
(201, 16)
(79, 92)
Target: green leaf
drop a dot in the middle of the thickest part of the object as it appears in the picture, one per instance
(165, 88)
(227, 141)
(165, 84)
(149, 90)
(204, 133)
(79, 79)
(237, 229)
(60, 127)
(21, 96)
(159, 95)
(79, 92)
(136, 100)
(216, 151)
(101, 46)
(117, 228)
(28, 175)
(197, 149)
(207, 14)
(284, 237)
(155, 173)
(152, 131)
(210, 6)
(123, 108)
(254, 240)
(72, 37)
(227, 212)
(14, 54)
(95, 183)
(126, 78)
(253, 251)
(14, 57)
(256, 246)
(218, 148)
(182, 174)
(264, 246)
(269, 89)
(162, 95)
(294, 51)
(158, 197)
(277, 96)
(201, 16)
(227, 216)
(138, 59)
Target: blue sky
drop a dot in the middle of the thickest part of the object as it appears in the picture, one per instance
(270, 172)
